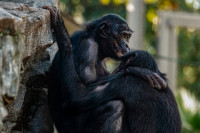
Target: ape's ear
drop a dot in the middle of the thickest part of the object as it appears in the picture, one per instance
(104, 30)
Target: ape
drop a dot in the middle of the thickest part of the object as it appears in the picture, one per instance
(146, 110)
(104, 37)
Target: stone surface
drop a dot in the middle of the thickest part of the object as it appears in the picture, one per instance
(26, 52)
(12, 51)
(35, 3)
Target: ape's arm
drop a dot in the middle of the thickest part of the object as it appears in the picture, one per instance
(87, 60)
(153, 78)
(57, 24)
(69, 79)
(87, 52)
(99, 95)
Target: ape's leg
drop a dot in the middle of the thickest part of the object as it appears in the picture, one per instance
(106, 118)
(113, 118)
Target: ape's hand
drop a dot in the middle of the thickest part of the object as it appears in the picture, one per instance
(60, 31)
(56, 19)
(153, 78)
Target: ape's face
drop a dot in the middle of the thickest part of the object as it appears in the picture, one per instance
(120, 38)
(114, 39)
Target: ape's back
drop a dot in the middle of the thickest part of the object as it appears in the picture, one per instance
(148, 110)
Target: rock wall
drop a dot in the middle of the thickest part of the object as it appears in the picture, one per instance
(26, 50)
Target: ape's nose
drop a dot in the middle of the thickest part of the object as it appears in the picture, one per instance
(127, 47)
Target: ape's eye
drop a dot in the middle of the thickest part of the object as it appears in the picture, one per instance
(123, 35)
(127, 36)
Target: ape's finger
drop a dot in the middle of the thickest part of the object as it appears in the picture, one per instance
(48, 8)
(52, 11)
(44, 7)
(156, 83)
(161, 81)
(150, 81)
(55, 9)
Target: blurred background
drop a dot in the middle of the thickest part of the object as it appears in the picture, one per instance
(168, 29)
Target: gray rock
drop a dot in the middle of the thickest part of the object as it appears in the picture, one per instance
(26, 52)
(36, 3)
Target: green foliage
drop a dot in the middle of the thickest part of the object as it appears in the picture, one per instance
(189, 42)
(189, 67)
(92, 9)
(190, 120)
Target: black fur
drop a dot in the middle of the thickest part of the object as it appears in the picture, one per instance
(90, 47)
(146, 110)
(80, 63)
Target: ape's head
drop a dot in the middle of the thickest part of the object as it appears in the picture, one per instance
(112, 34)
(141, 59)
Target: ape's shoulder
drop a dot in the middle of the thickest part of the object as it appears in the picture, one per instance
(76, 37)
